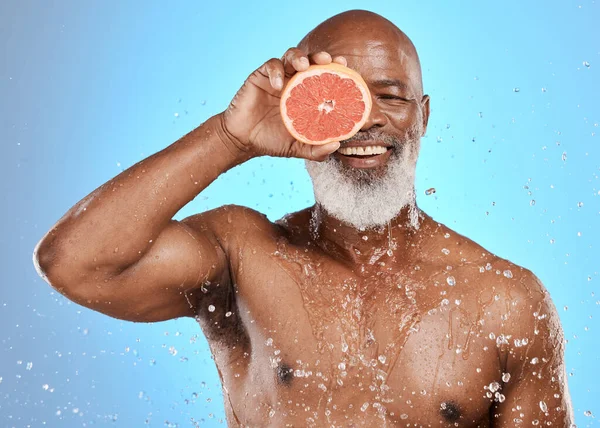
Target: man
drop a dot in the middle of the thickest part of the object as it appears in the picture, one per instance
(358, 311)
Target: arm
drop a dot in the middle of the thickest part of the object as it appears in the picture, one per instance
(118, 250)
(537, 389)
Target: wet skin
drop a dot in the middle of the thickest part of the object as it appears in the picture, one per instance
(312, 322)
(313, 336)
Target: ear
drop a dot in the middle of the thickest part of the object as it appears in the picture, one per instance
(425, 110)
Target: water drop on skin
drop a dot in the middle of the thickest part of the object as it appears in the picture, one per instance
(211, 308)
(451, 281)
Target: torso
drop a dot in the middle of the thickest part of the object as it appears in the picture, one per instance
(303, 340)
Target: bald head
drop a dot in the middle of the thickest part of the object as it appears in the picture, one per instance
(368, 41)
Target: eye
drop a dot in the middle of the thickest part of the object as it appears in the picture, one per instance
(394, 99)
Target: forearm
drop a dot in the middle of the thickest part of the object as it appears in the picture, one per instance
(113, 226)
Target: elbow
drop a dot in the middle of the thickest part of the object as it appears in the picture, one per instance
(51, 268)
(42, 260)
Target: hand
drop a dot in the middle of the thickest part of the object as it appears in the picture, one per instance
(252, 123)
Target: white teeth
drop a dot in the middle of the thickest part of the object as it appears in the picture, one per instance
(362, 151)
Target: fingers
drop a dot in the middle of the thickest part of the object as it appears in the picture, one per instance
(295, 60)
(320, 58)
(274, 69)
(340, 60)
(314, 152)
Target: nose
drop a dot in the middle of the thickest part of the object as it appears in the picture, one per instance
(376, 118)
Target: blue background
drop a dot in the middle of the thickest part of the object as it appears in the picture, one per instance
(88, 89)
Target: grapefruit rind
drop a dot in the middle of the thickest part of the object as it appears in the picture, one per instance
(315, 70)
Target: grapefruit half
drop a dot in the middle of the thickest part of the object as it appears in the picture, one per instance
(325, 103)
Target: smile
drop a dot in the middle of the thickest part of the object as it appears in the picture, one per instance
(363, 156)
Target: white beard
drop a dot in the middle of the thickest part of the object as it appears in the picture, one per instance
(363, 199)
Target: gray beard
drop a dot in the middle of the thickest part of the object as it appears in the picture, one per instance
(367, 198)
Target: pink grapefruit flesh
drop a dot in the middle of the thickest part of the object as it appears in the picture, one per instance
(325, 103)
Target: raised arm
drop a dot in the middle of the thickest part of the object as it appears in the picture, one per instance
(536, 393)
(119, 251)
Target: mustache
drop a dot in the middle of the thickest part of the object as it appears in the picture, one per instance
(374, 134)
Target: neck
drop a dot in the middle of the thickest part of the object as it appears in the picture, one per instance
(390, 243)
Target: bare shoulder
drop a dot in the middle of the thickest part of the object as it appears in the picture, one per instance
(523, 310)
(517, 287)
(232, 224)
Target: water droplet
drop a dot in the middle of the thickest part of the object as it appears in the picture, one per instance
(586, 64)
(564, 156)
(532, 202)
(450, 280)
(505, 377)
(543, 406)
(211, 308)
(29, 366)
(430, 191)
(445, 251)
(271, 413)
(228, 314)
(508, 273)
(446, 235)
(535, 360)
(176, 114)
(516, 90)
(364, 406)
(579, 204)
(439, 139)
(588, 413)
(269, 342)
(381, 359)
(494, 386)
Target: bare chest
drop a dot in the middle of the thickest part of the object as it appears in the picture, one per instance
(329, 346)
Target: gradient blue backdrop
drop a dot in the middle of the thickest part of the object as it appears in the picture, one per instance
(88, 89)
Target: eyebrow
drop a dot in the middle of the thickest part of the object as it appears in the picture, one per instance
(391, 82)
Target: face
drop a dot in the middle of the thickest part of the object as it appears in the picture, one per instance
(370, 192)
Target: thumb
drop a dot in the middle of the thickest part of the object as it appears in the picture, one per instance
(315, 152)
